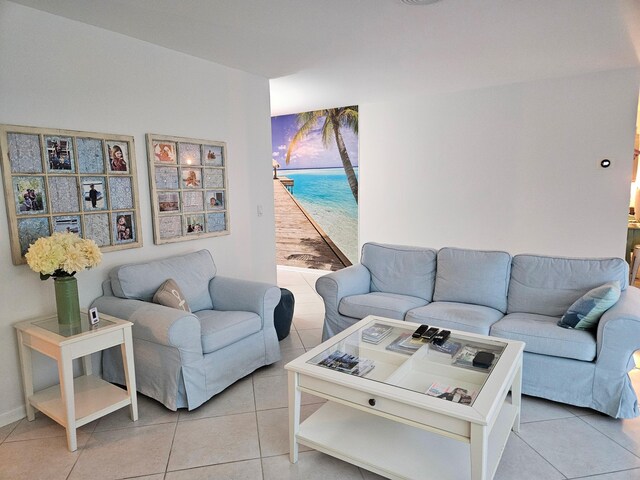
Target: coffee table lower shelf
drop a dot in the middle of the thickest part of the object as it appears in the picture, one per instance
(396, 450)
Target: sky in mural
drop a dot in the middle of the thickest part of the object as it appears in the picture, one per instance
(310, 152)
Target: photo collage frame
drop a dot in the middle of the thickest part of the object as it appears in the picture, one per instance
(69, 181)
(189, 195)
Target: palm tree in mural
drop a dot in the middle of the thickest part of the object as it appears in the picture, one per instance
(333, 119)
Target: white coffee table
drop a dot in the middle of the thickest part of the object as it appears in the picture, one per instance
(76, 401)
(386, 423)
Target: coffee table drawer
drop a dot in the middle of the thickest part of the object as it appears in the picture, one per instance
(378, 405)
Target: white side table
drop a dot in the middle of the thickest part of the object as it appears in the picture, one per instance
(76, 401)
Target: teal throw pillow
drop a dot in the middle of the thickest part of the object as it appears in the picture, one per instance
(587, 310)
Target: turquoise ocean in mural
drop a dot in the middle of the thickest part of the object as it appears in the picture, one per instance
(325, 195)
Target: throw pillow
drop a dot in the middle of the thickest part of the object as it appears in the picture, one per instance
(170, 295)
(585, 312)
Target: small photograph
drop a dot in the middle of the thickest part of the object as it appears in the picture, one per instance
(93, 193)
(67, 224)
(118, 157)
(123, 231)
(215, 200)
(168, 202)
(164, 152)
(213, 155)
(194, 223)
(59, 154)
(189, 154)
(191, 178)
(453, 394)
(29, 195)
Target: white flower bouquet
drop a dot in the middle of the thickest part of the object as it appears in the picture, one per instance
(62, 255)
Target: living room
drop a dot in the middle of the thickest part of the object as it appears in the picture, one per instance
(502, 162)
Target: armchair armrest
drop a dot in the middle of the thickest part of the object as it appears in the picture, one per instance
(617, 338)
(157, 324)
(353, 280)
(619, 332)
(245, 295)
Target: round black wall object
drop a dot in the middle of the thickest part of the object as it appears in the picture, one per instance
(606, 163)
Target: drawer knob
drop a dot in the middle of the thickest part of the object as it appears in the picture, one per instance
(372, 402)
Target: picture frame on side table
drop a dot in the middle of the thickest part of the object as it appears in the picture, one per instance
(68, 181)
(189, 193)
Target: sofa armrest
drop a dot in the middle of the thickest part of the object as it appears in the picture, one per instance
(157, 324)
(245, 295)
(619, 332)
(353, 280)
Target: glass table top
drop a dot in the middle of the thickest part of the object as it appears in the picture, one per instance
(52, 325)
(386, 352)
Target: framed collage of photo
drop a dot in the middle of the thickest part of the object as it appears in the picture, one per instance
(69, 181)
(189, 195)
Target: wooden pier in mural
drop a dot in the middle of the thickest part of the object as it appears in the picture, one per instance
(300, 241)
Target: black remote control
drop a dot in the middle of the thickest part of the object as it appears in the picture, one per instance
(420, 330)
(440, 337)
(428, 335)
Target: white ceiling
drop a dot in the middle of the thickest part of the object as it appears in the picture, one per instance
(321, 53)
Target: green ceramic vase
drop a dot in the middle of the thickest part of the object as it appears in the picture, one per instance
(67, 301)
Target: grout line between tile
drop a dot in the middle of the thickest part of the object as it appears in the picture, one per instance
(539, 454)
(596, 475)
(610, 438)
(173, 439)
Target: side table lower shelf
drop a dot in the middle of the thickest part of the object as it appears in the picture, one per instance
(94, 398)
(396, 450)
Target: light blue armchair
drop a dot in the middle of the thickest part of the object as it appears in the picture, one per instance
(183, 359)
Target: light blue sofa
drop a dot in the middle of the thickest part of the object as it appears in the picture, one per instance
(492, 293)
(183, 359)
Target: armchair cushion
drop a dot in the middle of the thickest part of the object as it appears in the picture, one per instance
(399, 269)
(193, 271)
(388, 305)
(473, 276)
(549, 285)
(542, 335)
(456, 316)
(170, 295)
(220, 329)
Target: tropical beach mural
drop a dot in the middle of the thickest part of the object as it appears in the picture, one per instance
(318, 150)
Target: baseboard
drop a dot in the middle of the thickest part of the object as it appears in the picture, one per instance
(13, 415)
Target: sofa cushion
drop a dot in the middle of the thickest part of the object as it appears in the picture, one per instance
(456, 316)
(390, 305)
(192, 272)
(542, 335)
(585, 312)
(549, 285)
(399, 269)
(170, 295)
(473, 276)
(219, 329)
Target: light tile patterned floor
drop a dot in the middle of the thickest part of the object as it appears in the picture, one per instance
(243, 434)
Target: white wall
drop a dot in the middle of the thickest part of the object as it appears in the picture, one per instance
(511, 167)
(58, 73)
